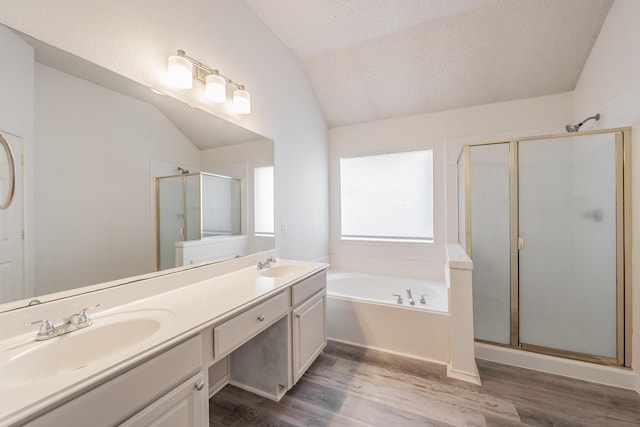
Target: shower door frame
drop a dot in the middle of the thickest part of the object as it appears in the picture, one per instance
(623, 242)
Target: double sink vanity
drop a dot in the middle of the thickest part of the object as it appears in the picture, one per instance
(155, 350)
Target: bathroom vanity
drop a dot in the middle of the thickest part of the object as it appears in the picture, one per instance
(156, 357)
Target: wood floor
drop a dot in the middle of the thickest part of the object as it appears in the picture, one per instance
(350, 386)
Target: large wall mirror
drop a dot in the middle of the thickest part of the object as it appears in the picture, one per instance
(100, 141)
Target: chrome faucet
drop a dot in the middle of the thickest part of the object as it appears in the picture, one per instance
(266, 263)
(411, 301)
(70, 324)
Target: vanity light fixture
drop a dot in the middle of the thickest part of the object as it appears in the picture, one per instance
(183, 68)
(241, 100)
(180, 71)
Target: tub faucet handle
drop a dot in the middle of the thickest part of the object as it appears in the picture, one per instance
(398, 298)
(422, 299)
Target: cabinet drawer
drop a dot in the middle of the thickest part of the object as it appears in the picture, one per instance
(308, 287)
(235, 332)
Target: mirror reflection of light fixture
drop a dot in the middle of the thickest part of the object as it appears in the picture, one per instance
(183, 68)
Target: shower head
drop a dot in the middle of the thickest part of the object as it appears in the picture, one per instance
(183, 171)
(576, 128)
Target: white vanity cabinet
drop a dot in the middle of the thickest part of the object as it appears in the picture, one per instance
(168, 390)
(183, 406)
(262, 343)
(309, 332)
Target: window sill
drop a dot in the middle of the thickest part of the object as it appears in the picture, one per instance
(377, 241)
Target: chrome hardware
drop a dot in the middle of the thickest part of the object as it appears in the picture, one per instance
(199, 385)
(266, 263)
(74, 320)
(298, 315)
(422, 300)
(69, 324)
(411, 301)
(261, 318)
(84, 316)
(398, 298)
(34, 302)
(46, 329)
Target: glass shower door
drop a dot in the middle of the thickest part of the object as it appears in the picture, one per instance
(568, 273)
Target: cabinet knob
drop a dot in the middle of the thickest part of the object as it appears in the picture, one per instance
(298, 315)
(199, 385)
(261, 318)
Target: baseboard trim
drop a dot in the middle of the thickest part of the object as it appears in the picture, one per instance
(464, 376)
(607, 375)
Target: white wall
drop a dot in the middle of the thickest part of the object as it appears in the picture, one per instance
(610, 85)
(429, 131)
(16, 118)
(135, 39)
(93, 152)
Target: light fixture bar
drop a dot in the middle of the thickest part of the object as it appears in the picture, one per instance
(201, 71)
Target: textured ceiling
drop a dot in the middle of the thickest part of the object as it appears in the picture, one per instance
(375, 59)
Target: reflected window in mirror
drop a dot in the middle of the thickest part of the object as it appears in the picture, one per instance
(263, 200)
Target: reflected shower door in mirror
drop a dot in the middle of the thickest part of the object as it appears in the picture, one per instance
(194, 207)
(100, 142)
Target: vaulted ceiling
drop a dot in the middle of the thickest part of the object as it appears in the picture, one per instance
(374, 59)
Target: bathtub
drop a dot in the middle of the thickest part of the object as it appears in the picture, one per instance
(362, 310)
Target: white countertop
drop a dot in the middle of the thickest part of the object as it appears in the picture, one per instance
(184, 312)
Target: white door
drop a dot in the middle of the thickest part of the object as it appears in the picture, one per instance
(11, 240)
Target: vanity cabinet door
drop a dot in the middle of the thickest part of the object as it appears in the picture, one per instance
(129, 393)
(309, 333)
(184, 406)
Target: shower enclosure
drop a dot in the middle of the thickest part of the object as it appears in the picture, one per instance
(546, 221)
(192, 207)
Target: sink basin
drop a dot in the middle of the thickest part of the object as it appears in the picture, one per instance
(282, 270)
(38, 361)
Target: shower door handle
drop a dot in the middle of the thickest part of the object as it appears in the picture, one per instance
(520, 243)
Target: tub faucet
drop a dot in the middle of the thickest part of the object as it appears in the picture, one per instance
(411, 301)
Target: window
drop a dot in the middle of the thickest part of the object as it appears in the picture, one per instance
(387, 197)
(263, 201)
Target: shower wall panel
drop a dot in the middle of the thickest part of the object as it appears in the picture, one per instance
(490, 242)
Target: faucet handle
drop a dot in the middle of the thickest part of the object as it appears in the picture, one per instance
(398, 298)
(84, 316)
(45, 329)
(422, 300)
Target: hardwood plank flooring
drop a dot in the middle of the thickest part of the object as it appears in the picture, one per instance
(352, 386)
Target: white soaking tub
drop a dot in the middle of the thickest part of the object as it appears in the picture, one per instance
(362, 310)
